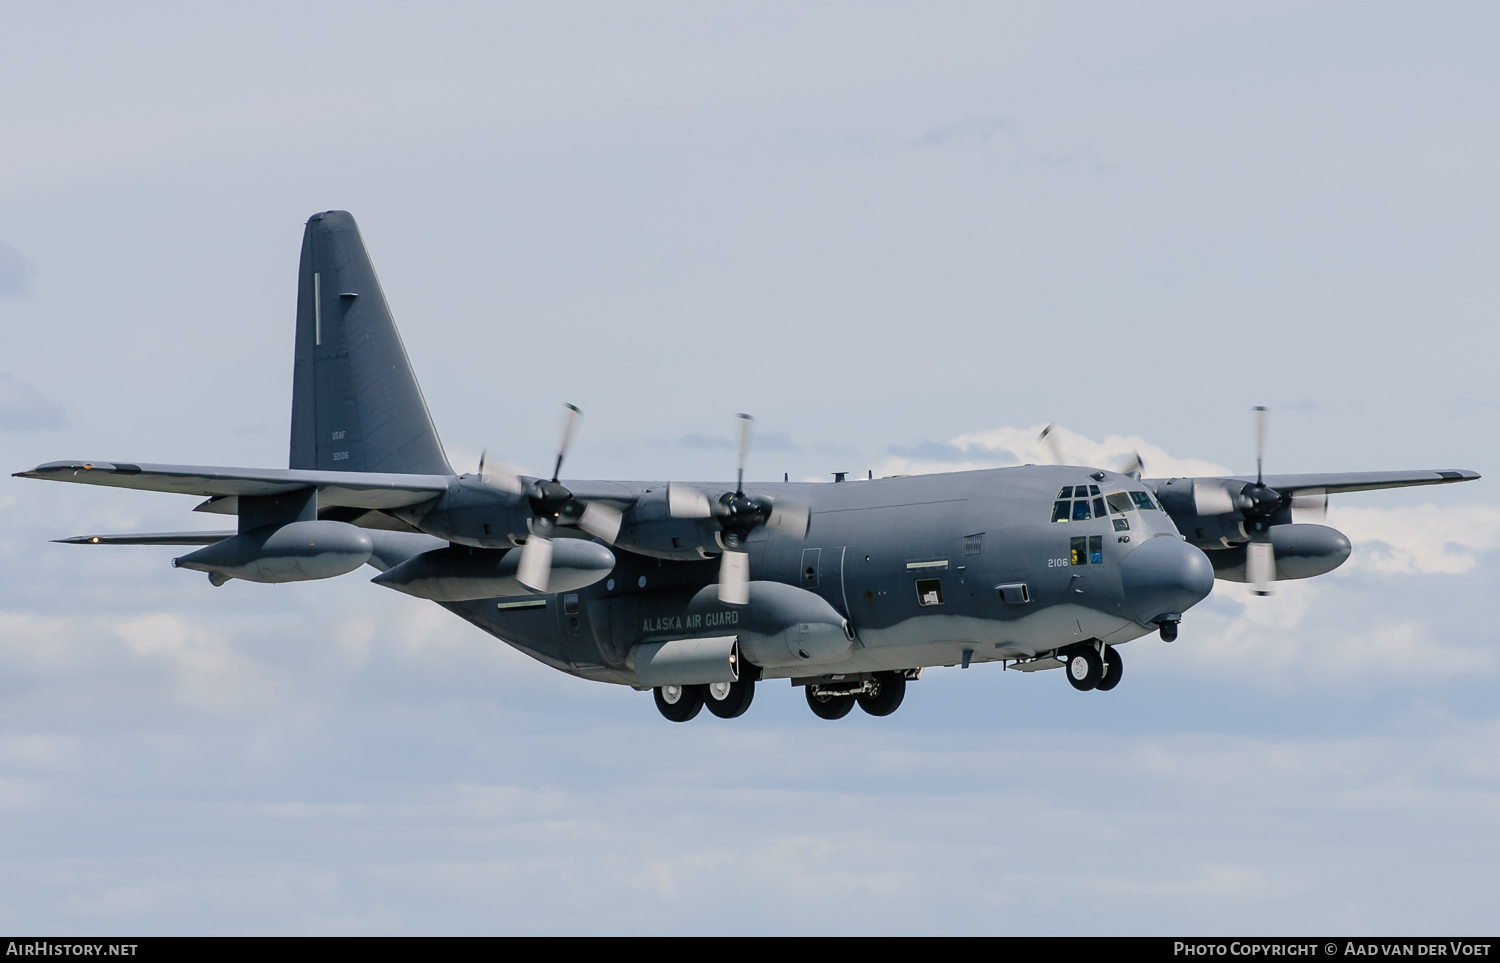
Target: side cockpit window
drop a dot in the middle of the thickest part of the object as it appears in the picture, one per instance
(1143, 501)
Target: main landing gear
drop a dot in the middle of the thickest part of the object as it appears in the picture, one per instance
(727, 700)
(879, 694)
(1088, 669)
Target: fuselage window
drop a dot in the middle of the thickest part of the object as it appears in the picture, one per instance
(1081, 510)
(1067, 492)
(1142, 501)
(1093, 490)
(929, 591)
(1060, 511)
(1099, 511)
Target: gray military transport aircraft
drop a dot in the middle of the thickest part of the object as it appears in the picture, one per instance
(697, 591)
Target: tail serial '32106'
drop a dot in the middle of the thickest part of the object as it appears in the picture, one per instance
(698, 591)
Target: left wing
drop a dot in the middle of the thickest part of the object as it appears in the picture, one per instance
(1364, 481)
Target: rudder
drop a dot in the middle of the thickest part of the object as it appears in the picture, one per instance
(356, 405)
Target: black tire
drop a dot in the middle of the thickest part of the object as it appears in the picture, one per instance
(1084, 668)
(735, 702)
(1114, 669)
(890, 689)
(689, 701)
(826, 706)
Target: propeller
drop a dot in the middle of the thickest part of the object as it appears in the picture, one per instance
(498, 475)
(737, 514)
(553, 505)
(1050, 440)
(1053, 444)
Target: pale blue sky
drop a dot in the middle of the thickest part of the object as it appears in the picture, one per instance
(879, 228)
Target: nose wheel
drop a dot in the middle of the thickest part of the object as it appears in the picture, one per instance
(1113, 668)
(1087, 669)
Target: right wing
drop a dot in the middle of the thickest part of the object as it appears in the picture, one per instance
(351, 489)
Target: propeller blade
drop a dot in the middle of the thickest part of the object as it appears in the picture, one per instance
(1132, 465)
(1260, 566)
(535, 570)
(734, 578)
(1211, 499)
(789, 518)
(745, 421)
(1053, 444)
(1258, 413)
(686, 502)
(497, 474)
(1309, 506)
(571, 414)
(601, 521)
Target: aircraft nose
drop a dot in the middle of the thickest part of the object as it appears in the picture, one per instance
(1165, 576)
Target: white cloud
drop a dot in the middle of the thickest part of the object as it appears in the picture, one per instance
(1425, 538)
(1019, 446)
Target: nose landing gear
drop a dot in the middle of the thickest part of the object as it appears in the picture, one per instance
(1088, 669)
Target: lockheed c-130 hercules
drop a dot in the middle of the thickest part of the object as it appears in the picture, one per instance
(698, 591)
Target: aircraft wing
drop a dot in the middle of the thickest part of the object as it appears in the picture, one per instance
(369, 490)
(149, 538)
(1364, 481)
(1357, 481)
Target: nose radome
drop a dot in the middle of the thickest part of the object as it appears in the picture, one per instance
(1165, 576)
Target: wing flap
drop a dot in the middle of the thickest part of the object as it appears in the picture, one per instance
(369, 490)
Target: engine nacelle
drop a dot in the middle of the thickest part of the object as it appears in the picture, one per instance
(1301, 551)
(295, 552)
(458, 573)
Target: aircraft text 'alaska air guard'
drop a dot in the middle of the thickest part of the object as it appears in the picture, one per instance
(697, 591)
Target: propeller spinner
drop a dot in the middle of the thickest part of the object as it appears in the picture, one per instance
(553, 505)
(737, 514)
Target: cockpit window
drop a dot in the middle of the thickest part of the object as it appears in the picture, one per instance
(1142, 501)
(1079, 503)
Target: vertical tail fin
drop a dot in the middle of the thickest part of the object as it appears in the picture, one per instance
(356, 405)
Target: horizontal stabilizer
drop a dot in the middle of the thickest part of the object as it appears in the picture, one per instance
(149, 538)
